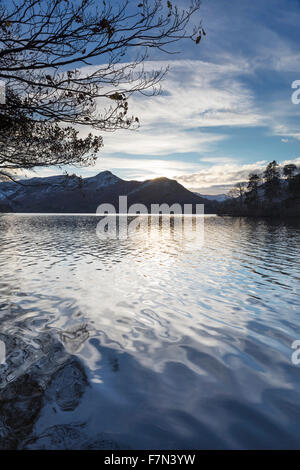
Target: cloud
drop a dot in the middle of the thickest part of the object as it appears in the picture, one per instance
(201, 102)
(226, 174)
(196, 95)
(158, 142)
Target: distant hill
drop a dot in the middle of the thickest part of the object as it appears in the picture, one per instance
(213, 197)
(73, 194)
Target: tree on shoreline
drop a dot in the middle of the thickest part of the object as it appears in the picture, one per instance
(289, 172)
(266, 195)
(272, 183)
(50, 51)
(238, 192)
(252, 195)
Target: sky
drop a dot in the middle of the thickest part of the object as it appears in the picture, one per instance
(226, 107)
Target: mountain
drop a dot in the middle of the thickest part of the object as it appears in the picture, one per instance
(213, 197)
(75, 195)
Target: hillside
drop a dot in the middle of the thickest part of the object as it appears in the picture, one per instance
(76, 195)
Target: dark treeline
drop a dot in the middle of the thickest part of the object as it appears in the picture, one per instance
(274, 193)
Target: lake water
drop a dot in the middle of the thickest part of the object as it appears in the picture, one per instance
(149, 342)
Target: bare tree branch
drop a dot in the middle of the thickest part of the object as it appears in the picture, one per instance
(50, 51)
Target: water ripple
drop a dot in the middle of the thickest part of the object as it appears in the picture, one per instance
(148, 342)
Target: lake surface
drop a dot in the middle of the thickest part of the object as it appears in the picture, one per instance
(149, 342)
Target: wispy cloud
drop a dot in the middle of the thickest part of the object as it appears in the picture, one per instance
(196, 95)
(202, 100)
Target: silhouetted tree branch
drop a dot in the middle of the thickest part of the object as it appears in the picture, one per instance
(26, 143)
(50, 51)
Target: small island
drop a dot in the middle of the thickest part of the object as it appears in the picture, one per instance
(274, 193)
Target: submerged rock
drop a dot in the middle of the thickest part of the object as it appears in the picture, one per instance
(59, 437)
(42, 370)
(20, 404)
(67, 386)
(70, 437)
(35, 374)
